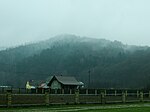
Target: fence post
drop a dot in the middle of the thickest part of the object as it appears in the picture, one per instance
(126, 93)
(36, 90)
(137, 94)
(27, 90)
(87, 91)
(115, 93)
(19, 91)
(95, 91)
(3, 90)
(141, 96)
(55, 91)
(70, 91)
(42, 90)
(103, 98)
(9, 98)
(123, 97)
(149, 94)
(47, 98)
(77, 96)
(63, 91)
(49, 90)
(105, 92)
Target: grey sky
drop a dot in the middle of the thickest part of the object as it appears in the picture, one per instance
(32, 20)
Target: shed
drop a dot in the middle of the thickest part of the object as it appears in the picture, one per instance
(64, 82)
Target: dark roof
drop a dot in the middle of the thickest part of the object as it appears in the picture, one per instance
(67, 80)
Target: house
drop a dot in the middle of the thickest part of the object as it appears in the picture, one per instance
(33, 84)
(28, 86)
(43, 85)
(64, 82)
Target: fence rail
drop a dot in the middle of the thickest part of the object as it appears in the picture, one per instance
(22, 97)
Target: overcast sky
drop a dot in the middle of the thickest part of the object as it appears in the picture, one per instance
(33, 20)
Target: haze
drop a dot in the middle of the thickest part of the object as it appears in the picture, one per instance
(24, 21)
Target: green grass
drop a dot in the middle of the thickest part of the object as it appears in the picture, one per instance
(135, 109)
(145, 107)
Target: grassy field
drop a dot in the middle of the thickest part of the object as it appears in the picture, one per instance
(84, 108)
(136, 109)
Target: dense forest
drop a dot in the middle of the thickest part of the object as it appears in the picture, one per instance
(111, 63)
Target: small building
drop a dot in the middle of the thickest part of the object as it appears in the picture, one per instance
(29, 86)
(43, 85)
(64, 82)
(33, 84)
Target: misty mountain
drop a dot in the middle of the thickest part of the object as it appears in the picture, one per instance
(2, 48)
(111, 63)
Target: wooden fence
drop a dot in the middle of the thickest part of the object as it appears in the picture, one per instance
(23, 97)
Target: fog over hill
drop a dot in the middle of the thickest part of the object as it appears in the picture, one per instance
(112, 64)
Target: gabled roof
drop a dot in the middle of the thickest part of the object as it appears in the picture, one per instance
(66, 80)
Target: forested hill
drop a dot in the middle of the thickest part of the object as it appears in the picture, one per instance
(112, 64)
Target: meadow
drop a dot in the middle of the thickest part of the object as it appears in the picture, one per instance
(144, 107)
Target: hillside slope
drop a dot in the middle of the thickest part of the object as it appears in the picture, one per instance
(112, 64)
